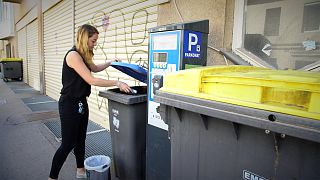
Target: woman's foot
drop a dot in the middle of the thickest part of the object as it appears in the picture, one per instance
(81, 173)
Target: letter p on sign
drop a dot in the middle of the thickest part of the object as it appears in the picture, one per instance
(193, 40)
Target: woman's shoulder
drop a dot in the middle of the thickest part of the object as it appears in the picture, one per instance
(73, 49)
(73, 55)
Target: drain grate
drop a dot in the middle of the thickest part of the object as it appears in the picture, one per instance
(41, 115)
(37, 99)
(99, 144)
(25, 90)
(40, 103)
(98, 141)
(47, 106)
(17, 85)
(55, 127)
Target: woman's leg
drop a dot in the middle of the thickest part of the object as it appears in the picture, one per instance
(69, 131)
(79, 149)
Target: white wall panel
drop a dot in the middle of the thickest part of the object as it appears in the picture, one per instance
(58, 33)
(22, 52)
(126, 38)
(33, 59)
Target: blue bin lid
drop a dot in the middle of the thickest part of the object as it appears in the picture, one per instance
(133, 70)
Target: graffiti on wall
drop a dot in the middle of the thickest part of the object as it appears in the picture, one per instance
(123, 28)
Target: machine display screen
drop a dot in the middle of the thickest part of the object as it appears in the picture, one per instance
(164, 42)
(160, 57)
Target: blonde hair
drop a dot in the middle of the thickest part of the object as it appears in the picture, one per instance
(84, 33)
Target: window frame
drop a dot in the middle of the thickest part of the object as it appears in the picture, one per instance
(238, 37)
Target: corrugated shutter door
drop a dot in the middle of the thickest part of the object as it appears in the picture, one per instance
(58, 33)
(33, 55)
(22, 52)
(125, 37)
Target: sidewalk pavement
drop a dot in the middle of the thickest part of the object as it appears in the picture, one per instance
(27, 145)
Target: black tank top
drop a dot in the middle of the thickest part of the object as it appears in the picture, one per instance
(73, 86)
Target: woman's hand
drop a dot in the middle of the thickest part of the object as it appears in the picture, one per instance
(123, 87)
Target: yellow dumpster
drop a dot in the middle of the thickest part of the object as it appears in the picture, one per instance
(285, 91)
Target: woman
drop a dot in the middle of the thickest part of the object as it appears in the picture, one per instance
(73, 108)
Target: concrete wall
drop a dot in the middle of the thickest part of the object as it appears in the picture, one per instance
(25, 13)
(219, 13)
(14, 51)
(24, 8)
(21, 10)
(2, 48)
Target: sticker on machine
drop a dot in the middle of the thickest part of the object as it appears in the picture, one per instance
(154, 117)
(192, 47)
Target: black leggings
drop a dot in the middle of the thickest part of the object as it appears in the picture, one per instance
(74, 121)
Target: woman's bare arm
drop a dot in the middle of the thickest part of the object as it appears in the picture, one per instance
(100, 67)
(75, 61)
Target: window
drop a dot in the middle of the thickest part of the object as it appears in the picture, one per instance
(272, 22)
(311, 17)
(278, 34)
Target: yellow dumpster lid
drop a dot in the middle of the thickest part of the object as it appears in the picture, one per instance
(10, 59)
(286, 91)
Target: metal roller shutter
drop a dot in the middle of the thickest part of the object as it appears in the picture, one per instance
(22, 52)
(58, 33)
(125, 37)
(33, 55)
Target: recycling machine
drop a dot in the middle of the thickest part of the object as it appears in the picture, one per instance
(172, 48)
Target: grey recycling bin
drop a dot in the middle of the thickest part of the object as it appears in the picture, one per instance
(127, 119)
(220, 129)
(213, 140)
(11, 68)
